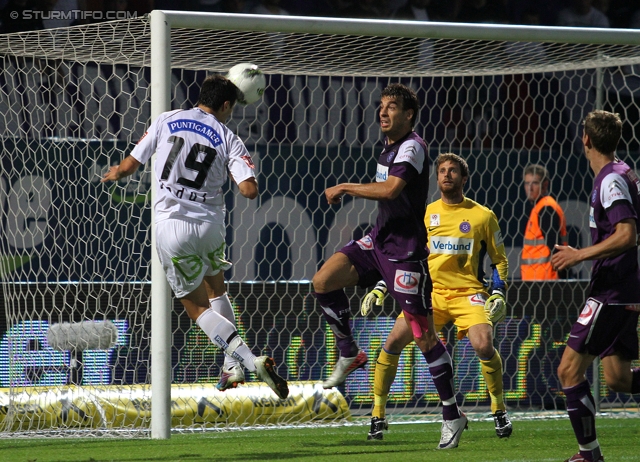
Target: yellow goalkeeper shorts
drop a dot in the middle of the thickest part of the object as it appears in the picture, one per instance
(462, 309)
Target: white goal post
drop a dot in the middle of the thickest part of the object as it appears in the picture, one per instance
(74, 100)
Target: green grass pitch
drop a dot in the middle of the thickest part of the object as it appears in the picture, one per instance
(532, 440)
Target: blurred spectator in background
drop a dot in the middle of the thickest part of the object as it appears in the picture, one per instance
(483, 11)
(581, 13)
(66, 7)
(413, 9)
(269, 7)
(546, 227)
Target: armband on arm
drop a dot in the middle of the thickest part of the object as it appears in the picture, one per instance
(376, 296)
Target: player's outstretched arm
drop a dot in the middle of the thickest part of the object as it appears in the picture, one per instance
(381, 191)
(127, 167)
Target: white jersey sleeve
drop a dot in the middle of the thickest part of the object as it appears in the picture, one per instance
(240, 164)
(413, 153)
(148, 144)
(614, 188)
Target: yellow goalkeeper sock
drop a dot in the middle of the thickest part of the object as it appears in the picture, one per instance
(386, 368)
(492, 373)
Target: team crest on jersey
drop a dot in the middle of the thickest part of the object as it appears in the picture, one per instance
(406, 282)
(390, 156)
(434, 219)
(465, 227)
(248, 161)
(590, 310)
(365, 243)
(594, 196)
(477, 299)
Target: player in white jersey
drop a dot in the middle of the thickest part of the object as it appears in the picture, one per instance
(194, 151)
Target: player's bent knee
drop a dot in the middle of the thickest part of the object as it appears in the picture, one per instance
(485, 351)
(395, 344)
(319, 283)
(617, 383)
(568, 375)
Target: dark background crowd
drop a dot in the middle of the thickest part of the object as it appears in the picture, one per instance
(574, 13)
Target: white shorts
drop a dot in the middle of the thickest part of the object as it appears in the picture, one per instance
(189, 251)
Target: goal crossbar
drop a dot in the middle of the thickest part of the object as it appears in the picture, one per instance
(398, 28)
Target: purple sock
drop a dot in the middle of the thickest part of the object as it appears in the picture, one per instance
(348, 347)
(441, 368)
(337, 312)
(582, 413)
(635, 381)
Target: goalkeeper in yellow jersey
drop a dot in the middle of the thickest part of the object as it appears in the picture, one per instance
(459, 234)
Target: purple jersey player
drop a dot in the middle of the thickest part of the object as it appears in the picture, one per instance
(395, 251)
(607, 324)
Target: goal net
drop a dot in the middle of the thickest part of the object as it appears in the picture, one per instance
(74, 101)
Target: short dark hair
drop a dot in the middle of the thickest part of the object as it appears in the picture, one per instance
(451, 157)
(406, 95)
(215, 90)
(604, 129)
(537, 170)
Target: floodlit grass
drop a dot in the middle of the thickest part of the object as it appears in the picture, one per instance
(532, 440)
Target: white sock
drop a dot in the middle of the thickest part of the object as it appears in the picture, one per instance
(222, 305)
(220, 330)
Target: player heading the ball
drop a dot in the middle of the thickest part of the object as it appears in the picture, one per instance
(195, 154)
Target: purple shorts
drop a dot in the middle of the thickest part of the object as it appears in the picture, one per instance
(603, 330)
(408, 282)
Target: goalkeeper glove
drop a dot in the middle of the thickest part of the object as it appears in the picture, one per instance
(496, 307)
(376, 296)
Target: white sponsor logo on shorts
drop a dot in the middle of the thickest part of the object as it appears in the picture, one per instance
(477, 299)
(406, 282)
(590, 310)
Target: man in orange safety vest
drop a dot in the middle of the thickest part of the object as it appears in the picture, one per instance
(546, 227)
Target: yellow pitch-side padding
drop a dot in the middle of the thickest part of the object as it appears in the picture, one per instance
(115, 407)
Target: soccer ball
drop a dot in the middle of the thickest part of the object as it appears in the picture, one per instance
(250, 80)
